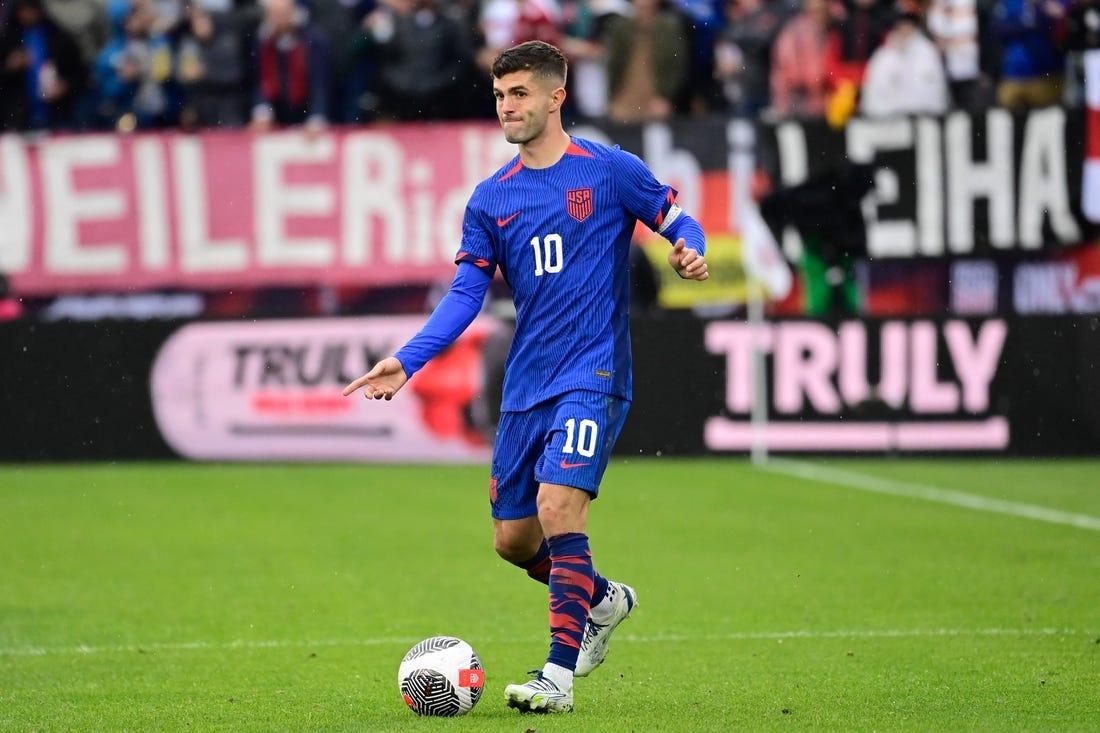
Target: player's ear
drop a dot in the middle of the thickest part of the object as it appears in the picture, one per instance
(557, 98)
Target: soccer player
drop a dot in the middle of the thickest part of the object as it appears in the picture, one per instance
(557, 221)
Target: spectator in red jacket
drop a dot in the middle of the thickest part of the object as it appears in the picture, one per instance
(293, 69)
(800, 75)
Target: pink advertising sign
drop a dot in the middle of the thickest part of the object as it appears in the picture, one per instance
(229, 209)
(271, 390)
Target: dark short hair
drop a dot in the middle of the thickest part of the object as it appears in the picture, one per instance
(538, 57)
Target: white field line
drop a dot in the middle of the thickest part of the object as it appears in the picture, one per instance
(186, 646)
(865, 482)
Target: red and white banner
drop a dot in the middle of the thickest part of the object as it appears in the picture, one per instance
(227, 209)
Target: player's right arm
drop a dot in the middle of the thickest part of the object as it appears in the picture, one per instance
(455, 312)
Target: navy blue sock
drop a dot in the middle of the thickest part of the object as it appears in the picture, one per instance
(538, 568)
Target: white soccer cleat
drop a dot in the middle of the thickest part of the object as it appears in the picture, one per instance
(622, 599)
(539, 695)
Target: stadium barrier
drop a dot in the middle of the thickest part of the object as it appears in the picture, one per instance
(270, 390)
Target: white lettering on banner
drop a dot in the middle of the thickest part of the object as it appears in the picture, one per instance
(930, 187)
(897, 238)
(67, 206)
(276, 200)
(1043, 180)
(814, 365)
(152, 203)
(372, 198)
(15, 203)
(422, 204)
(944, 209)
(677, 168)
(794, 168)
(969, 179)
(199, 252)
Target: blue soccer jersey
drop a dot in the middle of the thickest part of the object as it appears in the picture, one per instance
(561, 237)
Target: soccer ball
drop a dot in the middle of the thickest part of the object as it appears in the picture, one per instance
(441, 676)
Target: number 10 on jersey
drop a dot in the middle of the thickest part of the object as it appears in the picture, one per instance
(548, 254)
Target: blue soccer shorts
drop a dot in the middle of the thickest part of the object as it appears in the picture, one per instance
(566, 440)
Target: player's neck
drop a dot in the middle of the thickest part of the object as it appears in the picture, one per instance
(546, 150)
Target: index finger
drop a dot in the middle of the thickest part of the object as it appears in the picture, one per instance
(355, 385)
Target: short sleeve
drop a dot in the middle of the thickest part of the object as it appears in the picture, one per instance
(477, 244)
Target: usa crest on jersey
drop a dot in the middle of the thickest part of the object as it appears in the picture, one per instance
(578, 202)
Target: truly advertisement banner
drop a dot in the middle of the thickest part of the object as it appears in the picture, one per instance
(272, 390)
(980, 385)
(894, 386)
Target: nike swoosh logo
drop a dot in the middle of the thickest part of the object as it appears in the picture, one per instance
(502, 222)
(571, 465)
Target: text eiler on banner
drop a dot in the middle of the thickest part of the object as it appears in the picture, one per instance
(271, 390)
(231, 210)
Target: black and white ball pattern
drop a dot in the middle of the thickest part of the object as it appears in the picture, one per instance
(441, 676)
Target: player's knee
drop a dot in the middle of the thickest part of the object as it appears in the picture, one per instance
(513, 549)
(559, 517)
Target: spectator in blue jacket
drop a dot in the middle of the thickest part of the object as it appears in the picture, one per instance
(1033, 61)
(41, 70)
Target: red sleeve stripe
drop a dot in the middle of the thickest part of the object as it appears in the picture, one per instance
(669, 201)
(478, 262)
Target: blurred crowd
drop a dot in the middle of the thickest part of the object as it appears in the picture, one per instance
(192, 64)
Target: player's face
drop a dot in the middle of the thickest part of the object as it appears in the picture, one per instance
(523, 106)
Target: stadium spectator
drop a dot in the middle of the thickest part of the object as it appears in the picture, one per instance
(1082, 34)
(42, 72)
(292, 70)
(905, 75)
(421, 56)
(338, 21)
(703, 20)
(86, 22)
(542, 481)
(648, 61)
(1032, 60)
(504, 23)
(859, 30)
(582, 43)
(211, 69)
(800, 73)
(953, 26)
(135, 86)
(743, 53)
(1083, 25)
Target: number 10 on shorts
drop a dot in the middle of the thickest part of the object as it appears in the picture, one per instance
(585, 434)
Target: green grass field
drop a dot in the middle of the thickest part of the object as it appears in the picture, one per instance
(183, 597)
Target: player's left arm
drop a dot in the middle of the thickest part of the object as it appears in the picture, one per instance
(687, 256)
(654, 204)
